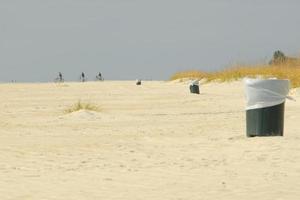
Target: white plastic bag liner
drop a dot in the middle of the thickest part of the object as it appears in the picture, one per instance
(194, 82)
(261, 93)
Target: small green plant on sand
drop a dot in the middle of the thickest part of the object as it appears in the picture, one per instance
(82, 106)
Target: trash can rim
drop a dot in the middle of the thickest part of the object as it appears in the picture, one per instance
(249, 80)
(194, 82)
(262, 93)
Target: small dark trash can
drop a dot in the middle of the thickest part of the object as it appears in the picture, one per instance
(265, 121)
(194, 87)
(139, 82)
(265, 109)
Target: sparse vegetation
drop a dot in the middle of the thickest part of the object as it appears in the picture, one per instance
(278, 58)
(82, 106)
(290, 69)
(189, 74)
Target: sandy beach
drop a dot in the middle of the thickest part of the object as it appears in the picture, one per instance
(150, 142)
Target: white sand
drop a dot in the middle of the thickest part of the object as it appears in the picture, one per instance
(155, 141)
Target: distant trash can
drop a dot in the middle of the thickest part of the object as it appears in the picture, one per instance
(265, 106)
(194, 87)
(138, 82)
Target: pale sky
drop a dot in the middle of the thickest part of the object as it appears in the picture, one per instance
(147, 39)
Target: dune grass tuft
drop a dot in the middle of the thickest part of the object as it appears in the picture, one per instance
(288, 70)
(82, 106)
(189, 74)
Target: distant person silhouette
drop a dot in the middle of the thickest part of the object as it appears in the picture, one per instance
(82, 77)
(99, 77)
(60, 77)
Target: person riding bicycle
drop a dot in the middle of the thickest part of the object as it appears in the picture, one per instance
(99, 77)
(60, 77)
(82, 77)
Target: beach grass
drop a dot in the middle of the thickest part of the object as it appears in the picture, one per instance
(82, 106)
(287, 70)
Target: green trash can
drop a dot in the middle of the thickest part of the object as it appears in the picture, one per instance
(138, 82)
(194, 87)
(265, 106)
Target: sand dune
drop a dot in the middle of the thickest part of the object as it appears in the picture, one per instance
(154, 141)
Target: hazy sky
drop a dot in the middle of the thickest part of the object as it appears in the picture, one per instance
(148, 39)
